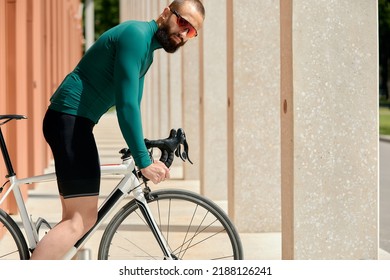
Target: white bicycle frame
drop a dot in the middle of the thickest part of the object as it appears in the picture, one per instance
(128, 184)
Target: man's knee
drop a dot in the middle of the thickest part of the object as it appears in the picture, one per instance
(89, 222)
(82, 223)
(81, 212)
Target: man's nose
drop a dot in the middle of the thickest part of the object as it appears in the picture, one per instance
(183, 33)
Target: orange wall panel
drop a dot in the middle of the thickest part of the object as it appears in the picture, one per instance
(3, 80)
(37, 97)
(40, 42)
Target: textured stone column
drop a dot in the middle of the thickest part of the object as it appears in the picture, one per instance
(214, 102)
(253, 115)
(329, 116)
(175, 102)
(175, 109)
(191, 92)
(163, 75)
(151, 98)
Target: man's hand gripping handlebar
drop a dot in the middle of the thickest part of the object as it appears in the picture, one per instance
(175, 144)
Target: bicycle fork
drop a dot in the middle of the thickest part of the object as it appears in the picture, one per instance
(143, 206)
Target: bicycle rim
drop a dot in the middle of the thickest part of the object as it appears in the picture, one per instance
(13, 246)
(193, 226)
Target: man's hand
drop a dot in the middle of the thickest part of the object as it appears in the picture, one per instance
(156, 172)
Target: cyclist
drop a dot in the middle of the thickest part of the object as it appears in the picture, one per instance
(111, 73)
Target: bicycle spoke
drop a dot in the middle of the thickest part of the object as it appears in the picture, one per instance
(188, 229)
(200, 241)
(192, 226)
(196, 232)
(169, 219)
(134, 244)
(9, 254)
(141, 217)
(203, 240)
(13, 245)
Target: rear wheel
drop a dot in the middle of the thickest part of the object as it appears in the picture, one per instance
(13, 245)
(193, 226)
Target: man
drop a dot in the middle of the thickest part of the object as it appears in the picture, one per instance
(111, 73)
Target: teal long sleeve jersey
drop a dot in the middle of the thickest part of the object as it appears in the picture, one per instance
(112, 73)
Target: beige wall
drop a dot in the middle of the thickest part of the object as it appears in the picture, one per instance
(288, 92)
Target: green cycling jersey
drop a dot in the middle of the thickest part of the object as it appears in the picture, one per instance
(111, 73)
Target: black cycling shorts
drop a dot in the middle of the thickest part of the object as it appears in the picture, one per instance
(75, 153)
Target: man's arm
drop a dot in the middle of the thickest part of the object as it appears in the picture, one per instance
(130, 49)
(128, 87)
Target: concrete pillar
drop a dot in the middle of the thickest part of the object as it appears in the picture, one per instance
(147, 99)
(163, 81)
(213, 103)
(89, 23)
(253, 115)
(175, 90)
(154, 75)
(191, 97)
(124, 7)
(329, 129)
(175, 103)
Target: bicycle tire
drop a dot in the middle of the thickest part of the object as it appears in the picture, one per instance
(193, 226)
(13, 245)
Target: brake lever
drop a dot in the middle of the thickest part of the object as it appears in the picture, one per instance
(183, 141)
(185, 144)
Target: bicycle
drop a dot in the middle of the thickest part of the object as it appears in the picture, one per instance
(149, 226)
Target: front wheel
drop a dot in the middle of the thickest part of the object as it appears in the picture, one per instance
(193, 226)
(13, 246)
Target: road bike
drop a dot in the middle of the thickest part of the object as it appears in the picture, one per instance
(166, 224)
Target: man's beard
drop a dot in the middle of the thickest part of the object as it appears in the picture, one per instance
(163, 37)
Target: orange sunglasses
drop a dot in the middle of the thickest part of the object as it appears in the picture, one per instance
(183, 23)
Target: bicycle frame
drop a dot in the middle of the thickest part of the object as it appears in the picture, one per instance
(128, 184)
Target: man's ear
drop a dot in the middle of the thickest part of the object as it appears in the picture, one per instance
(165, 13)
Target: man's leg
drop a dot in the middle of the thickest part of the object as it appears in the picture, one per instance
(79, 215)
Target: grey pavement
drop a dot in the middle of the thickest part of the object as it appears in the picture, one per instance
(43, 199)
(384, 195)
